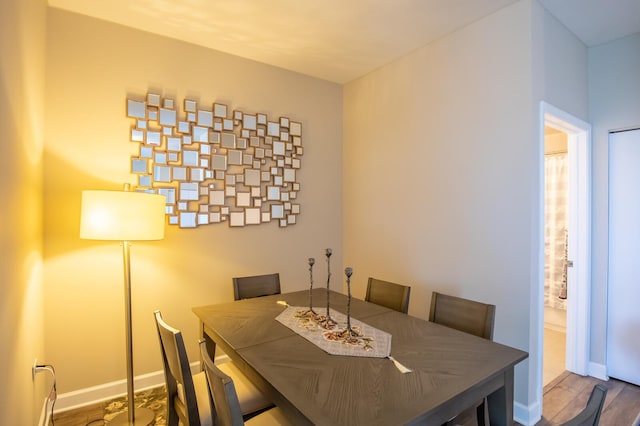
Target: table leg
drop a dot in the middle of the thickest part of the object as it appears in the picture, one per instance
(500, 402)
(209, 343)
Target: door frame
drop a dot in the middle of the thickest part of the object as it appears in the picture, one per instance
(579, 219)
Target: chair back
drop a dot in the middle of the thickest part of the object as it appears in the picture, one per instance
(590, 416)
(256, 286)
(225, 399)
(391, 295)
(463, 314)
(181, 394)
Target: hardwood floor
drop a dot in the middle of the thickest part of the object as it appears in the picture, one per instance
(89, 415)
(101, 413)
(566, 396)
(563, 398)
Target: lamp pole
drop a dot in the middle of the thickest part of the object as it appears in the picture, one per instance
(141, 415)
(124, 216)
(127, 318)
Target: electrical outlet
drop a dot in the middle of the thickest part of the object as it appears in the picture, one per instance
(33, 369)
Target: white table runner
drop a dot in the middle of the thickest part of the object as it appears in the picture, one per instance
(371, 342)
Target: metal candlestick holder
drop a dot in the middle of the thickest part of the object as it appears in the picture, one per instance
(328, 322)
(348, 272)
(311, 312)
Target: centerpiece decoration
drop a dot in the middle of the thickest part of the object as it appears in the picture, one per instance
(339, 330)
(333, 331)
(348, 335)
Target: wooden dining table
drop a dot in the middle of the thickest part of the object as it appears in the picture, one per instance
(451, 370)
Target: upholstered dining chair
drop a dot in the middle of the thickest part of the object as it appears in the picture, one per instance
(466, 315)
(227, 410)
(188, 399)
(590, 415)
(391, 295)
(256, 286)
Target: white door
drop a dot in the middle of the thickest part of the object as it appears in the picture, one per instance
(623, 298)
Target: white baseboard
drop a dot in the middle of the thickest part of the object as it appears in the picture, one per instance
(91, 395)
(70, 400)
(527, 415)
(599, 371)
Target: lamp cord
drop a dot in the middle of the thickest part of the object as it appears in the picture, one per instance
(53, 395)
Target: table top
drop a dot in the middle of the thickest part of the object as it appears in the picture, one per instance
(449, 367)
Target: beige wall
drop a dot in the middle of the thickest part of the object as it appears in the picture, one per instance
(22, 28)
(440, 173)
(442, 170)
(91, 68)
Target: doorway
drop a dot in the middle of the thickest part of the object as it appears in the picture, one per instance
(556, 253)
(578, 241)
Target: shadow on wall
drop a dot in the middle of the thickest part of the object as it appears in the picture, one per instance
(63, 186)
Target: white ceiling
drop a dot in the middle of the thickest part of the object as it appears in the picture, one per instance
(338, 40)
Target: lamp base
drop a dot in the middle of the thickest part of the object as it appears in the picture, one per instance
(143, 417)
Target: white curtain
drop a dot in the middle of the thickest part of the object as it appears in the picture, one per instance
(555, 232)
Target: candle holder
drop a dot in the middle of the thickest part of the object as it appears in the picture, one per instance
(328, 322)
(350, 332)
(310, 312)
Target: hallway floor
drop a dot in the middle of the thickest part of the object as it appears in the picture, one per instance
(553, 361)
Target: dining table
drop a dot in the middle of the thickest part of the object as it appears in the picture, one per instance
(449, 370)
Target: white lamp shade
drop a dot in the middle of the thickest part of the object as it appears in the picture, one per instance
(122, 216)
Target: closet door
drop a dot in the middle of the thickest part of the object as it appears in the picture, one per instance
(623, 298)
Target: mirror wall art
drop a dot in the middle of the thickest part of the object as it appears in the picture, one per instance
(214, 164)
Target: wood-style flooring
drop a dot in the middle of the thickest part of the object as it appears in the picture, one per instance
(101, 413)
(89, 415)
(563, 398)
(567, 394)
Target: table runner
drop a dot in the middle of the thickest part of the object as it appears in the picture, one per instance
(371, 342)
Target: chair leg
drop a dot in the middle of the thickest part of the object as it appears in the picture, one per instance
(172, 416)
(480, 413)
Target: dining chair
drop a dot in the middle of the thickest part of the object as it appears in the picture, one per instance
(590, 415)
(391, 295)
(188, 400)
(256, 286)
(466, 315)
(187, 397)
(226, 406)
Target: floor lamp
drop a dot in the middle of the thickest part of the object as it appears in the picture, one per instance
(124, 216)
